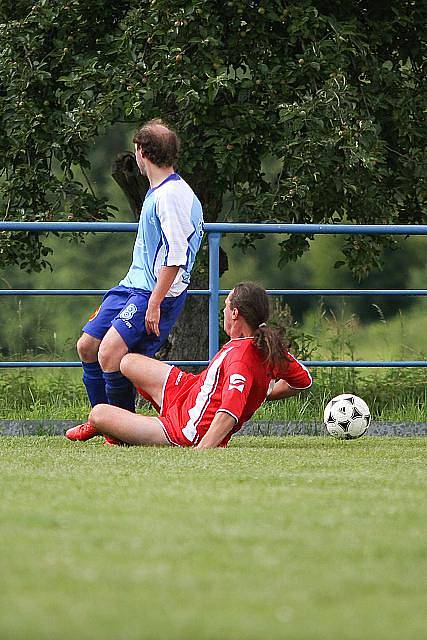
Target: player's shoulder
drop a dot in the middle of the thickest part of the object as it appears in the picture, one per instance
(293, 361)
(175, 187)
(243, 349)
(288, 363)
(173, 196)
(240, 344)
(296, 373)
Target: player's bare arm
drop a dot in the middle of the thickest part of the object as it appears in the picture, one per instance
(282, 390)
(221, 426)
(165, 279)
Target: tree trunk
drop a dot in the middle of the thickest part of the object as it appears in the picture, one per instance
(127, 175)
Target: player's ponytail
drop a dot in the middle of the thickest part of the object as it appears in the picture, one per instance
(252, 303)
(271, 344)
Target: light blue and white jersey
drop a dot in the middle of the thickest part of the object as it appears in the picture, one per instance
(169, 234)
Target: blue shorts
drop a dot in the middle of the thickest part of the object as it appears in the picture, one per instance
(125, 309)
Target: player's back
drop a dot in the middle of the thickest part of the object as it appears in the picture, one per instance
(235, 382)
(170, 231)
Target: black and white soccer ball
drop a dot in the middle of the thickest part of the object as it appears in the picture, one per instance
(347, 416)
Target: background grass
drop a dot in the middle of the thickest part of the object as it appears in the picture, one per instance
(343, 335)
(298, 537)
(393, 394)
(398, 395)
(326, 333)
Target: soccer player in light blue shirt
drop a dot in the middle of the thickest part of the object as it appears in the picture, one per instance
(165, 236)
(138, 315)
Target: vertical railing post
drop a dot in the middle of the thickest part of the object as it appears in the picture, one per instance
(214, 242)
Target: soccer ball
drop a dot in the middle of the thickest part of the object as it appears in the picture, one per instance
(347, 416)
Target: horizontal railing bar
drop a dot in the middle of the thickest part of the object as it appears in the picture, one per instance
(74, 292)
(74, 364)
(347, 292)
(203, 363)
(224, 292)
(69, 227)
(365, 363)
(230, 227)
(314, 229)
(52, 292)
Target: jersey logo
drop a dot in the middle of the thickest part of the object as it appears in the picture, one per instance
(200, 228)
(128, 313)
(237, 382)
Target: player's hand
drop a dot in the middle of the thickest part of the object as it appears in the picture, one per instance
(152, 319)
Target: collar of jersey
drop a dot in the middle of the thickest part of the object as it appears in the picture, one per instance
(173, 176)
(242, 338)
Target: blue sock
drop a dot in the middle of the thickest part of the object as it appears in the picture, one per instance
(120, 391)
(93, 380)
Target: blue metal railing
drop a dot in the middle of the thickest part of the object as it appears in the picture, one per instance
(214, 231)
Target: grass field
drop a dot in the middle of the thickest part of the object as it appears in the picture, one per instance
(298, 538)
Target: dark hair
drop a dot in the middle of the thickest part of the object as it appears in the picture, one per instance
(158, 142)
(252, 303)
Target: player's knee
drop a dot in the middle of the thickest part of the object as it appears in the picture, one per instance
(133, 367)
(87, 348)
(107, 358)
(127, 365)
(98, 415)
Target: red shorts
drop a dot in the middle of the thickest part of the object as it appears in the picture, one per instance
(175, 391)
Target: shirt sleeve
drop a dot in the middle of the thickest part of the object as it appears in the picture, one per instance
(296, 374)
(238, 380)
(173, 209)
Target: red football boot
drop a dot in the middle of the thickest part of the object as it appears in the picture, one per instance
(111, 442)
(82, 432)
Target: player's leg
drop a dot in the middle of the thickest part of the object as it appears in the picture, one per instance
(126, 330)
(88, 344)
(93, 379)
(127, 427)
(147, 374)
(117, 308)
(120, 391)
(170, 309)
(88, 348)
(128, 333)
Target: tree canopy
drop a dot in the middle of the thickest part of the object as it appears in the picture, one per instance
(329, 92)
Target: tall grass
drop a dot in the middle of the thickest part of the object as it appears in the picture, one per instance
(395, 396)
(392, 393)
(341, 335)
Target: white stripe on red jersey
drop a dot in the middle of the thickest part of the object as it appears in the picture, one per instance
(204, 396)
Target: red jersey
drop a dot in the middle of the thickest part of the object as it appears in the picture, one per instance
(236, 381)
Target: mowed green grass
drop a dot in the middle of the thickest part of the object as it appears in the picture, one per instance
(296, 538)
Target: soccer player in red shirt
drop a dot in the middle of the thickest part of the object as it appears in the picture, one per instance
(205, 410)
